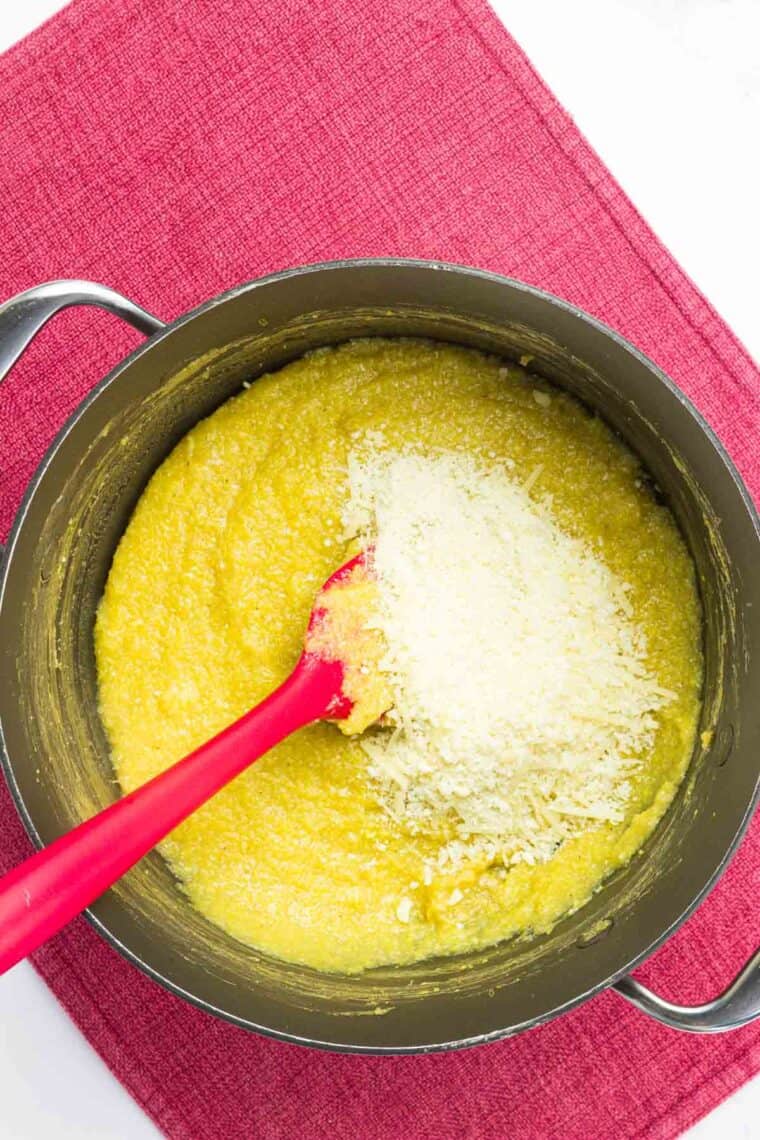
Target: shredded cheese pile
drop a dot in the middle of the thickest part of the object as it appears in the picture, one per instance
(522, 700)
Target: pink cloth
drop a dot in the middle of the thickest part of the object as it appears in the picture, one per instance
(173, 149)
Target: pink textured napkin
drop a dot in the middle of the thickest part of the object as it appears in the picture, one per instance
(172, 149)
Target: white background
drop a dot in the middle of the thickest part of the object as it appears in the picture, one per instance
(668, 92)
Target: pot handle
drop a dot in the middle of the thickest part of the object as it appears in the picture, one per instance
(23, 316)
(736, 1006)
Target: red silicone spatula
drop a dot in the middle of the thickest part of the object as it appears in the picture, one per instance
(56, 884)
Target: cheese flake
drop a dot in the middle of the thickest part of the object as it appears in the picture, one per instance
(522, 699)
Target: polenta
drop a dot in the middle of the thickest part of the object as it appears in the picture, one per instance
(205, 611)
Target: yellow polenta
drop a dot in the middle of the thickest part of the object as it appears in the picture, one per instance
(205, 611)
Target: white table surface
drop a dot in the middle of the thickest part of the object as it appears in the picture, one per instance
(668, 91)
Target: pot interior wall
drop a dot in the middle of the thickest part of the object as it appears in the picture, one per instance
(59, 755)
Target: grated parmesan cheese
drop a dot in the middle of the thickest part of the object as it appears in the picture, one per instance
(522, 700)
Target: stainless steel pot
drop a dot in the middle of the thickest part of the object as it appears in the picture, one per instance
(55, 754)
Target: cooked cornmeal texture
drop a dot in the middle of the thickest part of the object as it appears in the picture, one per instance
(205, 610)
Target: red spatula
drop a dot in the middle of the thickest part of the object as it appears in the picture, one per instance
(56, 884)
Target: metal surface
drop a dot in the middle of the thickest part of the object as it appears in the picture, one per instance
(23, 316)
(56, 757)
(736, 1006)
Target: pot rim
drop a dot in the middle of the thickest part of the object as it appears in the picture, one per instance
(147, 346)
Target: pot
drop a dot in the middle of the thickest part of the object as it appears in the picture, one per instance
(56, 758)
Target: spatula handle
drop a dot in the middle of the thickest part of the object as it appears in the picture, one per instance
(56, 884)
